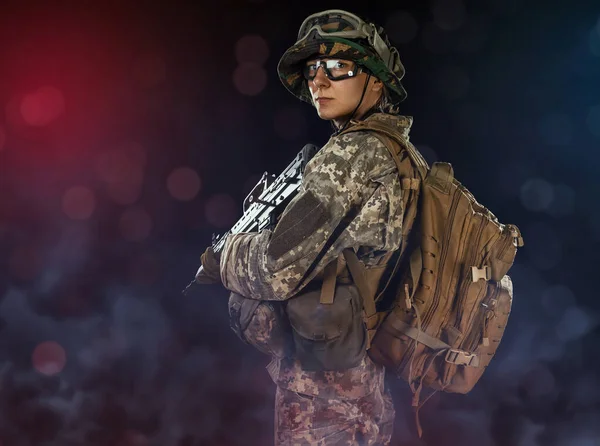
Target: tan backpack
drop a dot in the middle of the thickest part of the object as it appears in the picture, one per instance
(451, 297)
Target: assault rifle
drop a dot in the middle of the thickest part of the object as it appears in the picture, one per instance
(267, 200)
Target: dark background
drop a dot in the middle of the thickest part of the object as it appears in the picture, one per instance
(130, 132)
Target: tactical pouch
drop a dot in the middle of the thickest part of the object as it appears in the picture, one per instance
(262, 324)
(329, 336)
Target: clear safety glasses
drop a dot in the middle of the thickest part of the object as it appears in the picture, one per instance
(335, 69)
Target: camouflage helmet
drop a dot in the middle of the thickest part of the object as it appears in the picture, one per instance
(341, 34)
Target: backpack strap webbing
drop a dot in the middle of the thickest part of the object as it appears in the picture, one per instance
(377, 126)
(391, 137)
(395, 142)
(357, 269)
(329, 281)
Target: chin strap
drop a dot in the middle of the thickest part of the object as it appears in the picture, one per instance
(338, 131)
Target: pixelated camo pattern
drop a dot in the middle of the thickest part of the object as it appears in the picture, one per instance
(356, 199)
(268, 334)
(354, 180)
(308, 420)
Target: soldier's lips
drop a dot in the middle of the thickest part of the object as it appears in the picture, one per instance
(323, 100)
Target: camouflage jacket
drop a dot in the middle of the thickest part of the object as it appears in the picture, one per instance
(350, 197)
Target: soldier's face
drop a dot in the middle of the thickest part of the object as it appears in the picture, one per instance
(336, 100)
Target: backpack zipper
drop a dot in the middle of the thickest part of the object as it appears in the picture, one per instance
(507, 241)
(465, 284)
(427, 317)
(471, 341)
(447, 236)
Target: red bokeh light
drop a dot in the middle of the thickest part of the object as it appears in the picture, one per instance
(49, 358)
(183, 183)
(43, 106)
(252, 49)
(250, 79)
(79, 203)
(135, 224)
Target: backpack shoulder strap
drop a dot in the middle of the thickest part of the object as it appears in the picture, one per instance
(391, 137)
(392, 133)
(395, 142)
(357, 270)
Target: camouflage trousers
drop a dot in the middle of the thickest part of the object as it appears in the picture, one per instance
(307, 420)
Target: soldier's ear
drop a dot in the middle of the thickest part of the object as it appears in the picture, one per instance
(377, 85)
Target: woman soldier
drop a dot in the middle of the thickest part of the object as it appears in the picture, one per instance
(351, 198)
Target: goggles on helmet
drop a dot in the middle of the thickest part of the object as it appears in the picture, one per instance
(335, 69)
(338, 23)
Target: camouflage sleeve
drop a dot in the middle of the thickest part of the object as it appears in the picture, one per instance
(314, 228)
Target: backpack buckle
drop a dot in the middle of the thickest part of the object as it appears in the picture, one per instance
(459, 357)
(484, 273)
(410, 183)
